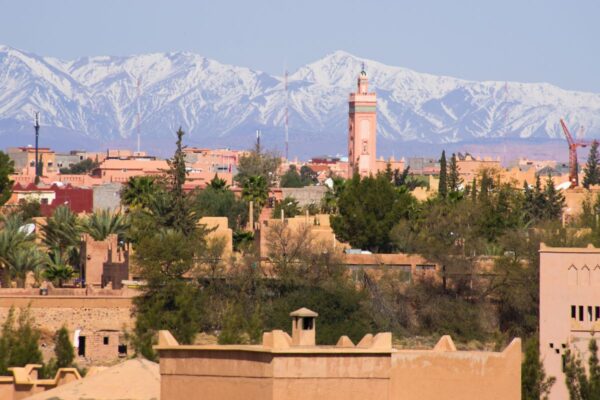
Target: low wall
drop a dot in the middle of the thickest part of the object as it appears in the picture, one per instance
(75, 312)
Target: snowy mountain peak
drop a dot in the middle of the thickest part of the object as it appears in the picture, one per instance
(97, 98)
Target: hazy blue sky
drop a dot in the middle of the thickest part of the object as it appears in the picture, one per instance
(521, 40)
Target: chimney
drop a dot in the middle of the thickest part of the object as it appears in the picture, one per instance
(303, 327)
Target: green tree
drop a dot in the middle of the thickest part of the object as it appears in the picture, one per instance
(104, 223)
(81, 168)
(30, 209)
(58, 271)
(288, 205)
(257, 162)
(535, 385)
(222, 202)
(139, 191)
(592, 169)
(454, 179)
(368, 209)
(24, 259)
(61, 235)
(256, 189)
(7, 168)
(443, 183)
(63, 349)
(554, 200)
(19, 345)
(291, 178)
(183, 216)
(308, 176)
(217, 183)
(582, 384)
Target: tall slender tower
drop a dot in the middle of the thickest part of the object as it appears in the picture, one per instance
(37, 136)
(362, 128)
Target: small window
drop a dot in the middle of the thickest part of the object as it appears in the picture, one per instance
(50, 163)
(590, 313)
(105, 340)
(597, 313)
(580, 313)
(32, 164)
(122, 349)
(551, 345)
(307, 324)
(557, 351)
(574, 312)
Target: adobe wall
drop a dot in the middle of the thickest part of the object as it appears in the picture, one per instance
(424, 375)
(342, 376)
(76, 312)
(232, 375)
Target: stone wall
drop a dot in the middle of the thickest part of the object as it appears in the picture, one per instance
(306, 195)
(107, 196)
(76, 312)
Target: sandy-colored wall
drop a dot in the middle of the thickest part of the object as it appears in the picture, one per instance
(431, 375)
(568, 277)
(232, 375)
(92, 313)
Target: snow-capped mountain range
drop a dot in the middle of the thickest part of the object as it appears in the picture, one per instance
(95, 101)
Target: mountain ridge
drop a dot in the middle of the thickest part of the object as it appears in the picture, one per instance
(96, 98)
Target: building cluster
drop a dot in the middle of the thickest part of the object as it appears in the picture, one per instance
(98, 309)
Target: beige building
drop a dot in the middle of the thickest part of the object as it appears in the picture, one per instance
(293, 367)
(569, 307)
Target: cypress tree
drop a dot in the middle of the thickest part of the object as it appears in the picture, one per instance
(592, 169)
(554, 200)
(454, 179)
(535, 385)
(443, 183)
(63, 349)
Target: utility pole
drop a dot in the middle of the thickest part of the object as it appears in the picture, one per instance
(139, 117)
(286, 117)
(37, 135)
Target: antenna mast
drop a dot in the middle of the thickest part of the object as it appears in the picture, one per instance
(139, 118)
(37, 135)
(286, 117)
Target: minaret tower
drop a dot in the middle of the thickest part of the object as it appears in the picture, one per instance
(362, 127)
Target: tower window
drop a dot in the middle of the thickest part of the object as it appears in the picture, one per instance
(580, 313)
(574, 312)
(307, 324)
(105, 340)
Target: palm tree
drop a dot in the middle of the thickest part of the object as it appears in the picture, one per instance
(12, 236)
(58, 271)
(103, 223)
(24, 259)
(218, 184)
(62, 234)
(256, 189)
(139, 191)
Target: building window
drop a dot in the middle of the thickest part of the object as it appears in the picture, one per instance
(425, 267)
(307, 324)
(551, 345)
(105, 340)
(580, 313)
(573, 312)
(597, 313)
(590, 313)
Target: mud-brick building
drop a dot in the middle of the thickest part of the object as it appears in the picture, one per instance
(293, 367)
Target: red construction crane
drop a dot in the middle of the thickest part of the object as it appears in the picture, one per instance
(573, 145)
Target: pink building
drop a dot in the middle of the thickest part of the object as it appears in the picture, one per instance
(362, 128)
(569, 307)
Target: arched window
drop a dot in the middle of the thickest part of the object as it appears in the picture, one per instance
(572, 276)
